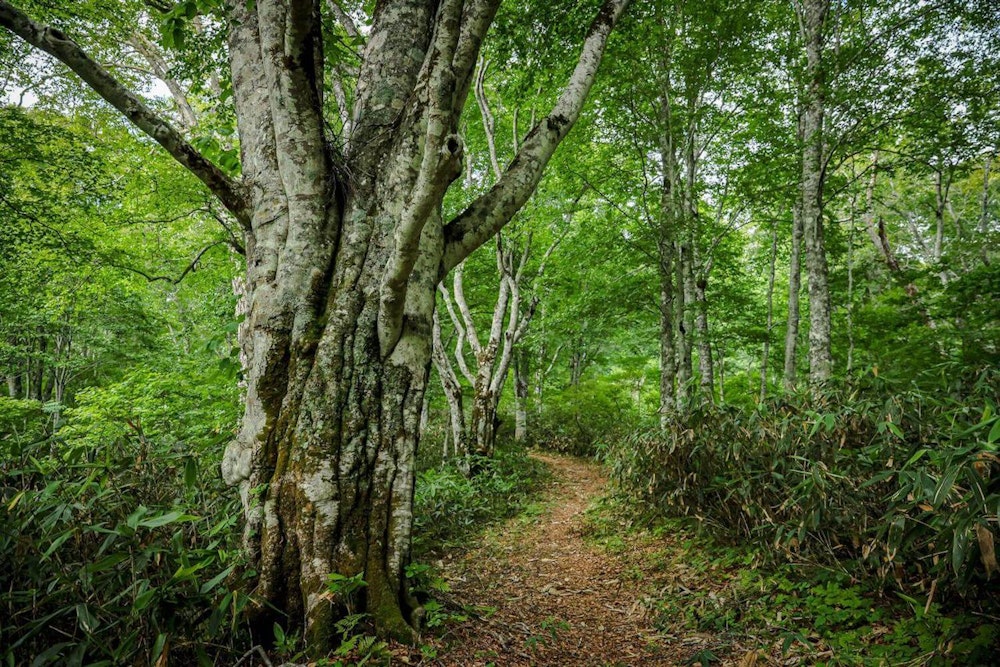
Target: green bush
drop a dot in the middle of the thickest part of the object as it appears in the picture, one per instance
(21, 421)
(583, 419)
(117, 534)
(449, 507)
(905, 481)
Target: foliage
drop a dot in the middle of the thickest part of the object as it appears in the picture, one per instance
(741, 603)
(449, 506)
(904, 481)
(586, 418)
(116, 553)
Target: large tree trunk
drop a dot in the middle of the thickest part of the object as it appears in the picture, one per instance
(345, 246)
(813, 17)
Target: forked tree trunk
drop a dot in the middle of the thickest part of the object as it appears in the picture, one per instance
(345, 246)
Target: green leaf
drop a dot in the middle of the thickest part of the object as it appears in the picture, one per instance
(188, 571)
(279, 633)
(86, 619)
(190, 472)
(144, 599)
(133, 519)
(994, 432)
(959, 544)
(166, 519)
(916, 457)
(216, 580)
(944, 486)
(106, 563)
(161, 641)
(56, 543)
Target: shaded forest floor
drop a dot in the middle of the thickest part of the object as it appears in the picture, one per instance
(541, 592)
(570, 581)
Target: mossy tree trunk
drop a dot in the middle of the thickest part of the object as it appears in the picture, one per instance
(345, 246)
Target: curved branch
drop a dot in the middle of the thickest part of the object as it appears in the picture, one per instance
(488, 214)
(173, 281)
(57, 44)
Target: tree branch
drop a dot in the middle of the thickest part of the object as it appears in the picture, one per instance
(488, 214)
(440, 164)
(173, 281)
(67, 51)
(460, 342)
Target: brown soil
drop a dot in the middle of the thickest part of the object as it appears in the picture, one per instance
(544, 596)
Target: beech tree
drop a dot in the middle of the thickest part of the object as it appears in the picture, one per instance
(345, 245)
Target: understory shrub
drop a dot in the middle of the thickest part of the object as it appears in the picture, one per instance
(118, 544)
(582, 419)
(904, 481)
(449, 507)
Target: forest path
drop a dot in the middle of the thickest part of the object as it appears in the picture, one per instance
(558, 600)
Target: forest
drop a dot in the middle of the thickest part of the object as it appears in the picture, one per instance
(486, 333)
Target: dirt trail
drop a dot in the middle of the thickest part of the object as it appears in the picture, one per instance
(558, 600)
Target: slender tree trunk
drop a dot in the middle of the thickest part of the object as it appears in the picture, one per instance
(48, 383)
(722, 374)
(425, 415)
(668, 355)
(520, 396)
(706, 370)
(875, 227)
(36, 373)
(939, 202)
(984, 210)
(453, 396)
(683, 315)
(850, 283)
(765, 355)
(794, 290)
(14, 386)
(665, 228)
(814, 13)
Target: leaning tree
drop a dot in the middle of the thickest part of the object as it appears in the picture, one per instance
(345, 246)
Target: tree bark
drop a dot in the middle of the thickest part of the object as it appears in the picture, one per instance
(453, 394)
(345, 246)
(706, 370)
(684, 316)
(668, 354)
(520, 396)
(794, 289)
(813, 18)
(765, 355)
